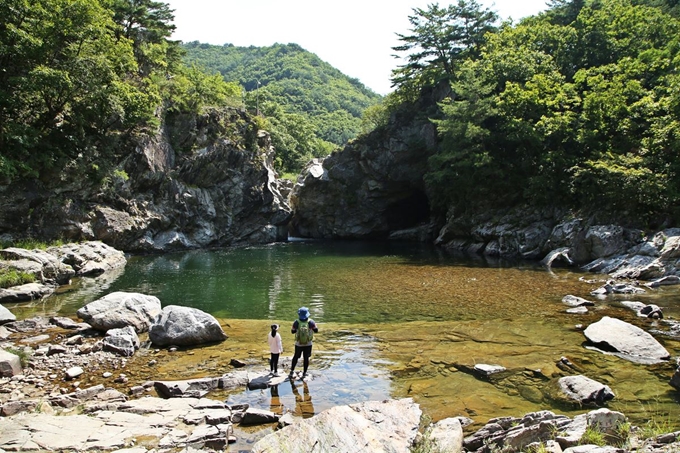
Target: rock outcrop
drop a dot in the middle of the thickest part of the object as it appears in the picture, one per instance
(203, 180)
(372, 188)
(56, 266)
(389, 426)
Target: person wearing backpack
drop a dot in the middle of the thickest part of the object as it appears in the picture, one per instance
(304, 329)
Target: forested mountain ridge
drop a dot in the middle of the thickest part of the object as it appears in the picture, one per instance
(294, 89)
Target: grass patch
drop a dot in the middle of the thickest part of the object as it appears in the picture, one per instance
(31, 244)
(12, 277)
(289, 176)
(657, 426)
(593, 436)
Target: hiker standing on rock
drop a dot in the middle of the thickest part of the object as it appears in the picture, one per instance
(304, 329)
(275, 348)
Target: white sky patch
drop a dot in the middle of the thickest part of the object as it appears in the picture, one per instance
(354, 36)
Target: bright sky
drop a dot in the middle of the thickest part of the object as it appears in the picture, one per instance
(355, 36)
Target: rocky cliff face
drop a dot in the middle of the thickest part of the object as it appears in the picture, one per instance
(201, 181)
(374, 186)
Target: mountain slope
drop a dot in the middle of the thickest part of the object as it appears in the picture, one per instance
(293, 78)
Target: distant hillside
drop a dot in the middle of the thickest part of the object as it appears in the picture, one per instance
(297, 80)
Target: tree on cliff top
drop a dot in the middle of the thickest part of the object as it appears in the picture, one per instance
(439, 39)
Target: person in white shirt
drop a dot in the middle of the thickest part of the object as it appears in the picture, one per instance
(275, 348)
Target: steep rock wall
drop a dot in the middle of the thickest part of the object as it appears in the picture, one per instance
(201, 181)
(374, 186)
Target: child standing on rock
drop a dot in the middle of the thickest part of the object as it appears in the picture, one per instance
(275, 348)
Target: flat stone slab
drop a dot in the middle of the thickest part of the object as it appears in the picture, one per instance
(626, 341)
(265, 381)
(375, 426)
(156, 419)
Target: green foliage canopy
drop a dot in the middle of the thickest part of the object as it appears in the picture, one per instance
(79, 77)
(581, 111)
(311, 107)
(441, 37)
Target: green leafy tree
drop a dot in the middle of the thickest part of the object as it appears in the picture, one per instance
(439, 39)
(297, 80)
(192, 88)
(580, 112)
(148, 24)
(65, 87)
(311, 108)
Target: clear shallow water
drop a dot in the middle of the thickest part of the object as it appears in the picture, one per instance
(396, 320)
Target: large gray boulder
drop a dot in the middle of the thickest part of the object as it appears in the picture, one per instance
(626, 341)
(25, 292)
(121, 309)
(375, 426)
(185, 326)
(89, 258)
(46, 268)
(585, 391)
(447, 435)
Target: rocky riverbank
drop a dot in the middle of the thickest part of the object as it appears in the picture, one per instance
(71, 385)
(49, 405)
(119, 369)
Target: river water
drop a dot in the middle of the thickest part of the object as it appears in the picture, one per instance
(396, 320)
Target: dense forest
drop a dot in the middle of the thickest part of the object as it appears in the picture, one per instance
(311, 108)
(81, 78)
(578, 106)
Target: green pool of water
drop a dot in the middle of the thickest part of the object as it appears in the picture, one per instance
(398, 320)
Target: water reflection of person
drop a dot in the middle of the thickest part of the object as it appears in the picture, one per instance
(303, 403)
(275, 402)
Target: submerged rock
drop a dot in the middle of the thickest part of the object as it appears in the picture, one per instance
(584, 390)
(675, 380)
(575, 301)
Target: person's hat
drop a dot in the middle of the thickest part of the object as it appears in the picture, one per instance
(303, 313)
(275, 327)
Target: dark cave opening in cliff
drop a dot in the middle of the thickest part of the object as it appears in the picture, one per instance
(408, 211)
